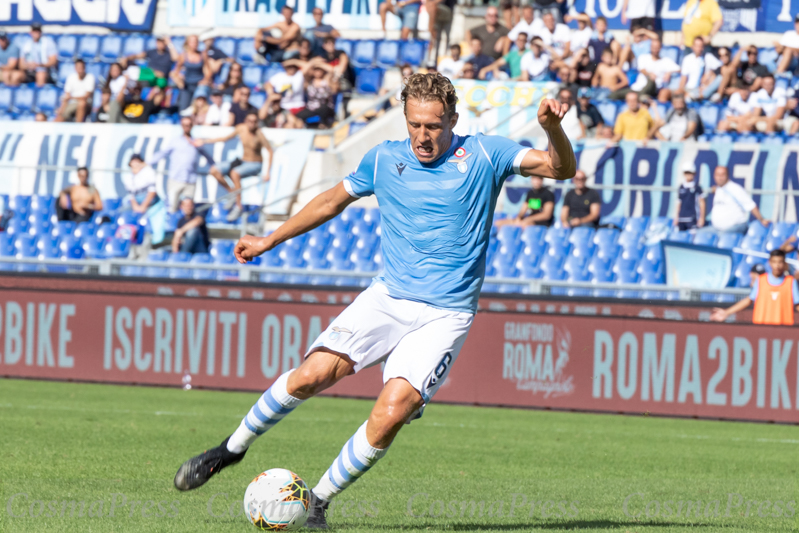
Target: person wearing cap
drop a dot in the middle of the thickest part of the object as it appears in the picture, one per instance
(160, 61)
(191, 235)
(731, 205)
(141, 186)
(788, 48)
(588, 113)
(218, 111)
(38, 57)
(9, 62)
(775, 295)
(690, 207)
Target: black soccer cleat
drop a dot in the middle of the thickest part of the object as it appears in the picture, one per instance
(197, 470)
(317, 519)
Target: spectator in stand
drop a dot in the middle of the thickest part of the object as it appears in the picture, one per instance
(788, 48)
(571, 124)
(565, 78)
(731, 205)
(240, 107)
(406, 10)
(477, 58)
(276, 49)
(160, 61)
(213, 59)
(538, 208)
(512, 60)
(468, 72)
(528, 25)
(654, 73)
(439, 17)
(584, 69)
(556, 37)
(702, 19)
(189, 71)
(610, 79)
(191, 235)
(792, 113)
(634, 123)
(699, 73)
(581, 37)
(768, 106)
(752, 72)
(535, 63)
(588, 113)
(40, 117)
(288, 87)
(738, 112)
(218, 111)
(581, 205)
(306, 51)
(38, 58)
(184, 154)
(103, 111)
(317, 34)
(76, 102)
(79, 202)
(115, 82)
(681, 123)
(320, 95)
(9, 62)
(452, 66)
(130, 107)
(775, 295)
(141, 186)
(273, 116)
(343, 71)
(234, 81)
(602, 39)
(198, 110)
(640, 14)
(727, 71)
(492, 34)
(690, 201)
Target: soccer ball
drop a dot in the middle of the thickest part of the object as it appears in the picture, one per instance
(277, 500)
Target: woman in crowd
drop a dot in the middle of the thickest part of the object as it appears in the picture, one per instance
(321, 88)
(115, 81)
(188, 72)
(233, 81)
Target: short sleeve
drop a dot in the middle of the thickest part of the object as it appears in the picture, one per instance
(595, 198)
(362, 182)
(503, 154)
(684, 69)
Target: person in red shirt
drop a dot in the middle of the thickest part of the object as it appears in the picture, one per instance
(776, 296)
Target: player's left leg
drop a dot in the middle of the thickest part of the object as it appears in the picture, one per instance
(414, 371)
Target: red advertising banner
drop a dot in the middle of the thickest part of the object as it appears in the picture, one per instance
(510, 358)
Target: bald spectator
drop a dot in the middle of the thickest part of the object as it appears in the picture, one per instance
(768, 106)
(581, 205)
(39, 57)
(9, 62)
(492, 34)
(635, 123)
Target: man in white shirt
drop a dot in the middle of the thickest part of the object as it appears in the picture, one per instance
(528, 24)
(451, 67)
(654, 72)
(571, 124)
(738, 113)
(768, 106)
(38, 57)
(535, 63)
(219, 111)
(731, 205)
(140, 185)
(698, 71)
(78, 91)
(788, 48)
(556, 37)
(581, 36)
(288, 87)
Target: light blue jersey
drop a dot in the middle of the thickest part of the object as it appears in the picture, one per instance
(436, 218)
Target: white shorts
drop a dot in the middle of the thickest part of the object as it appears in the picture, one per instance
(418, 343)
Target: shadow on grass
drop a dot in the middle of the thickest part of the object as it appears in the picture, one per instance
(521, 526)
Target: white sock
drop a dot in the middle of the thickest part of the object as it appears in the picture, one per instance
(270, 409)
(356, 457)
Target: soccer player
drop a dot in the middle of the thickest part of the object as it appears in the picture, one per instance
(437, 192)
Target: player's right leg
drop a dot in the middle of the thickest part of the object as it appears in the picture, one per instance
(320, 370)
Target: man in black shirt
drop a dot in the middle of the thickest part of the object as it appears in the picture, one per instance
(587, 112)
(241, 107)
(214, 59)
(581, 206)
(132, 108)
(584, 71)
(192, 234)
(160, 60)
(538, 207)
(751, 72)
(478, 58)
(492, 34)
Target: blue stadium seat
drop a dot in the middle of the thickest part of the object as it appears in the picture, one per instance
(179, 258)
(363, 53)
(48, 99)
(368, 80)
(606, 237)
(252, 75)
(246, 52)
(629, 239)
(221, 249)
(67, 45)
(227, 45)
(117, 248)
(99, 71)
(345, 45)
(582, 236)
(671, 52)
(709, 114)
(257, 99)
(201, 273)
(17, 226)
(47, 242)
(533, 234)
(24, 100)
(388, 53)
(748, 138)
(636, 224)
(84, 229)
(729, 241)
(6, 97)
(111, 48)
(88, 47)
(134, 44)
(106, 231)
(768, 57)
(509, 234)
(412, 52)
(608, 111)
(19, 204)
(41, 226)
(62, 228)
(753, 243)
(705, 238)
(65, 68)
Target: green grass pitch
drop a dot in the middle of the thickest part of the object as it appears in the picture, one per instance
(75, 451)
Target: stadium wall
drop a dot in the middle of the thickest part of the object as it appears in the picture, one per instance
(243, 337)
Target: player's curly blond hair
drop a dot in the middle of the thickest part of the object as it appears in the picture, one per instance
(431, 87)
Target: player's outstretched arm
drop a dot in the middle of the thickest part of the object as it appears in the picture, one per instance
(559, 162)
(318, 211)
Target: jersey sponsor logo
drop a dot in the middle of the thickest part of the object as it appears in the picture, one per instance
(400, 168)
(536, 357)
(440, 370)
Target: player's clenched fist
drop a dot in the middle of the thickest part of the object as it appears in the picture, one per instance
(248, 248)
(551, 112)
